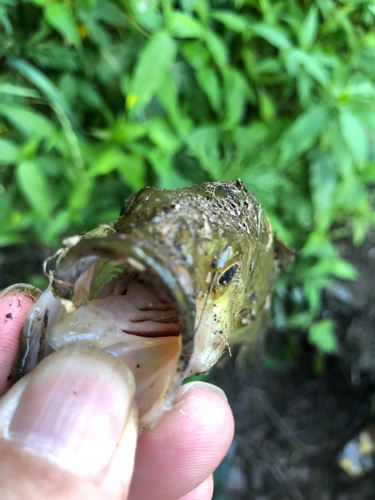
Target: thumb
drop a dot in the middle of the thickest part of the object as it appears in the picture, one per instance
(68, 429)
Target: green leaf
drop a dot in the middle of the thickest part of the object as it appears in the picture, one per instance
(60, 17)
(34, 186)
(340, 151)
(8, 88)
(44, 84)
(111, 13)
(169, 98)
(303, 132)
(168, 176)
(217, 48)
(203, 143)
(209, 81)
(267, 108)
(308, 29)
(323, 178)
(162, 135)
(231, 21)
(29, 122)
(235, 97)
(273, 35)
(335, 267)
(154, 62)
(343, 269)
(132, 170)
(322, 335)
(312, 65)
(184, 26)
(355, 136)
(105, 164)
(313, 296)
(9, 151)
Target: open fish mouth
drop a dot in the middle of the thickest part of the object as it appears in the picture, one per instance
(113, 295)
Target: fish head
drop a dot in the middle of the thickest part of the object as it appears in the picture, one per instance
(162, 287)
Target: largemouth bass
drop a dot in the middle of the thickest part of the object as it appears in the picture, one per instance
(162, 287)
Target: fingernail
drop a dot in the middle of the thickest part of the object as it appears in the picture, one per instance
(199, 386)
(74, 409)
(23, 289)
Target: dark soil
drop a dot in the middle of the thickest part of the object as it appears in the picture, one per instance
(291, 423)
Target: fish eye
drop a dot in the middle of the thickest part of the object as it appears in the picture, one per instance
(227, 276)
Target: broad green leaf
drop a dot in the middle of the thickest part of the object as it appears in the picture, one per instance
(323, 178)
(169, 98)
(343, 269)
(44, 84)
(8, 88)
(154, 62)
(340, 151)
(231, 21)
(34, 186)
(308, 29)
(334, 267)
(40, 2)
(313, 296)
(235, 98)
(322, 335)
(355, 136)
(296, 58)
(303, 132)
(132, 170)
(267, 108)
(111, 13)
(58, 225)
(196, 53)
(209, 81)
(217, 48)
(203, 143)
(318, 246)
(273, 35)
(130, 167)
(362, 90)
(305, 85)
(185, 26)
(29, 122)
(9, 151)
(11, 239)
(162, 135)
(80, 195)
(106, 163)
(314, 68)
(168, 176)
(60, 17)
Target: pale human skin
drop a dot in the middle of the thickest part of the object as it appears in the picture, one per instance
(173, 461)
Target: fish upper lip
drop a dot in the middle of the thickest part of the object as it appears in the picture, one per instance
(151, 334)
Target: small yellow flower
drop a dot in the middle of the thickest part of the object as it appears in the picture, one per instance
(82, 31)
(15, 217)
(4, 131)
(131, 100)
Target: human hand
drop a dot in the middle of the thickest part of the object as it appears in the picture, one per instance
(68, 429)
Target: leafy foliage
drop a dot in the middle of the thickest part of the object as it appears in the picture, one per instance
(100, 97)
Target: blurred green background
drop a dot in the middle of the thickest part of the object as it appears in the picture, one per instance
(99, 98)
